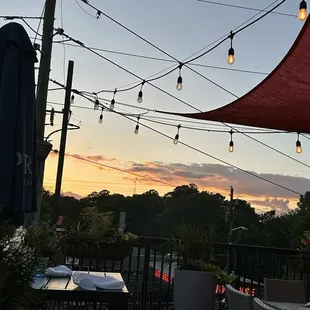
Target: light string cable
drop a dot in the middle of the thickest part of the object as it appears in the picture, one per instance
(199, 151)
(61, 32)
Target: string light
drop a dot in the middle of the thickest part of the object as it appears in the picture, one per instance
(101, 117)
(302, 13)
(52, 117)
(231, 51)
(176, 138)
(231, 143)
(140, 94)
(98, 14)
(97, 103)
(112, 105)
(137, 126)
(298, 145)
(180, 80)
(72, 99)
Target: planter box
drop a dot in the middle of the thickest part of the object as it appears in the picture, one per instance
(194, 290)
(114, 252)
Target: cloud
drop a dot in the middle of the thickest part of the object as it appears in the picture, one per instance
(97, 158)
(277, 204)
(215, 175)
(71, 194)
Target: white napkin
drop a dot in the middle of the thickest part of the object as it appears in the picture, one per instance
(91, 282)
(59, 271)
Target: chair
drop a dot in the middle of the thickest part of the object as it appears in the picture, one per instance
(260, 305)
(237, 300)
(284, 290)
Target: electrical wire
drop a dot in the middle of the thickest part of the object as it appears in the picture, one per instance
(11, 17)
(64, 47)
(117, 169)
(206, 154)
(244, 7)
(40, 21)
(163, 59)
(85, 10)
(27, 24)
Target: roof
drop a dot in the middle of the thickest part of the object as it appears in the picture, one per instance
(281, 101)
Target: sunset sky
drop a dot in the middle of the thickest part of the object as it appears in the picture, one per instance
(181, 28)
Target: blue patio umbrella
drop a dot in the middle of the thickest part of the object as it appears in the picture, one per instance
(17, 124)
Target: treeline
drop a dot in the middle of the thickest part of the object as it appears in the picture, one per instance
(152, 215)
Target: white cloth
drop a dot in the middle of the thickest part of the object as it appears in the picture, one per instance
(59, 271)
(90, 282)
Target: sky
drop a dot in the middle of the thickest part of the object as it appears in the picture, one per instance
(181, 28)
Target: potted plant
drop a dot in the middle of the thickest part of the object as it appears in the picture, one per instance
(195, 278)
(17, 268)
(43, 239)
(301, 262)
(95, 236)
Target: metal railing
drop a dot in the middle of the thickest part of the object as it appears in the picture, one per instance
(149, 270)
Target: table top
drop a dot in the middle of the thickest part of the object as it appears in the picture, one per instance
(66, 283)
(286, 306)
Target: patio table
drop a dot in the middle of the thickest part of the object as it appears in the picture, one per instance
(286, 305)
(64, 290)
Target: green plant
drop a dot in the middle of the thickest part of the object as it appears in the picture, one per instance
(17, 268)
(43, 239)
(304, 247)
(193, 241)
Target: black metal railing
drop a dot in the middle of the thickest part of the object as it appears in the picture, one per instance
(148, 271)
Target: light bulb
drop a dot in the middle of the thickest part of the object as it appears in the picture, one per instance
(176, 139)
(302, 14)
(298, 147)
(96, 107)
(179, 83)
(100, 119)
(231, 56)
(136, 129)
(231, 146)
(72, 99)
(112, 104)
(140, 95)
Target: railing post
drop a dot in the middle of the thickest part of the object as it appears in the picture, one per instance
(146, 268)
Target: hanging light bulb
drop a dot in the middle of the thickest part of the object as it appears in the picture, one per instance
(112, 105)
(101, 117)
(137, 126)
(140, 94)
(302, 13)
(52, 116)
(97, 103)
(231, 51)
(176, 138)
(231, 143)
(298, 146)
(180, 80)
(72, 99)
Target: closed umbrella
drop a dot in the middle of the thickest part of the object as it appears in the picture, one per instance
(17, 124)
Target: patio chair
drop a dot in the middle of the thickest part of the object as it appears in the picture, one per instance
(284, 290)
(238, 300)
(260, 305)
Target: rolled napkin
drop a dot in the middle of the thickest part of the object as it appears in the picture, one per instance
(90, 282)
(59, 271)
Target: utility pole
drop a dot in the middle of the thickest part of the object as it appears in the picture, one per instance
(42, 92)
(63, 140)
(231, 209)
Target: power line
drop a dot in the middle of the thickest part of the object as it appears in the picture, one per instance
(27, 24)
(245, 8)
(184, 102)
(206, 154)
(11, 17)
(117, 169)
(40, 21)
(166, 60)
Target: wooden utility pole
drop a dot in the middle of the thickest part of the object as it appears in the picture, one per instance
(42, 90)
(64, 130)
(231, 209)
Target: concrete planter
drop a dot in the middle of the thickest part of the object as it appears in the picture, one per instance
(194, 290)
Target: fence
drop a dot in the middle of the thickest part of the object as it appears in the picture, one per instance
(149, 270)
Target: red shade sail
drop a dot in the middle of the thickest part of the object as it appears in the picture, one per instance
(281, 101)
